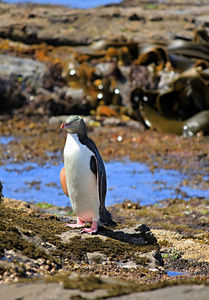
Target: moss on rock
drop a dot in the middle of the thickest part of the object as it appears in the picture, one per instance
(37, 235)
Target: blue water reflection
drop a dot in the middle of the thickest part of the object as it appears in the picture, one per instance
(126, 180)
(6, 139)
(69, 3)
(176, 273)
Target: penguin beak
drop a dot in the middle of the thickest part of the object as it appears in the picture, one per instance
(65, 125)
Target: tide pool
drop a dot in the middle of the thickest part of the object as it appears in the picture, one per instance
(126, 180)
(71, 3)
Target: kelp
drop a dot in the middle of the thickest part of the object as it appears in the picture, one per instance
(181, 97)
(174, 84)
(189, 49)
(113, 78)
(197, 124)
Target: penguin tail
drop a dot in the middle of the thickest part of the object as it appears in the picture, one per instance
(106, 217)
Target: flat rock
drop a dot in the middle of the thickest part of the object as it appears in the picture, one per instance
(180, 292)
(42, 291)
(63, 26)
(54, 291)
(21, 67)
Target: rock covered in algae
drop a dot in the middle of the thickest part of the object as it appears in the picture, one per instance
(41, 245)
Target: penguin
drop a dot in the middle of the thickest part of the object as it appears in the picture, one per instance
(83, 177)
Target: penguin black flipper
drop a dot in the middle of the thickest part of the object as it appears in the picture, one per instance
(101, 181)
(98, 168)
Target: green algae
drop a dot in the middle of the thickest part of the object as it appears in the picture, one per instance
(186, 217)
(44, 205)
(16, 224)
(115, 250)
(31, 231)
(91, 283)
(113, 288)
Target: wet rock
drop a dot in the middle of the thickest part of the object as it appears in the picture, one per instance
(19, 77)
(181, 292)
(138, 235)
(154, 260)
(156, 18)
(23, 68)
(17, 256)
(42, 245)
(67, 287)
(96, 257)
(202, 21)
(136, 17)
(10, 270)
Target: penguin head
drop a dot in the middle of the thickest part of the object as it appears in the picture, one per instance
(73, 124)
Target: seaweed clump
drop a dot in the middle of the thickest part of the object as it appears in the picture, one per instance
(78, 248)
(91, 283)
(113, 287)
(37, 235)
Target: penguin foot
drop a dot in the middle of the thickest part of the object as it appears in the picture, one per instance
(80, 223)
(93, 229)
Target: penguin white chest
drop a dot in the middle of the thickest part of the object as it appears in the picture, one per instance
(81, 181)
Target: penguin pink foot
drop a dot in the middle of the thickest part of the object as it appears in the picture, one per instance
(80, 223)
(93, 229)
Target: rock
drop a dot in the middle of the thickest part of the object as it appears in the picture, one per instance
(202, 21)
(19, 77)
(96, 257)
(51, 291)
(180, 292)
(139, 235)
(136, 17)
(106, 51)
(54, 291)
(22, 68)
(154, 260)
(156, 18)
(189, 249)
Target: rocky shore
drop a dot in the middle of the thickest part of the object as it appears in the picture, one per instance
(56, 61)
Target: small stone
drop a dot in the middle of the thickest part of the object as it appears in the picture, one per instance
(96, 257)
(136, 17)
(41, 261)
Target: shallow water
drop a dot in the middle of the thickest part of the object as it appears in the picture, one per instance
(6, 139)
(126, 180)
(70, 3)
(176, 273)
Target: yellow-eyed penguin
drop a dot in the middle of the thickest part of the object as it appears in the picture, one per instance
(83, 177)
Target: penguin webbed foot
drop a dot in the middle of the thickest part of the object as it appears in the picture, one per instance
(80, 223)
(93, 229)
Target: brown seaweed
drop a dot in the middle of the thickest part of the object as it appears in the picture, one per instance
(196, 125)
